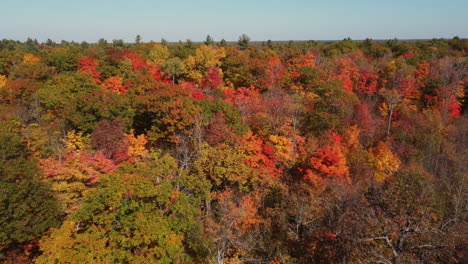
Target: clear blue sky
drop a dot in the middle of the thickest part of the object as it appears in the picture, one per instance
(89, 20)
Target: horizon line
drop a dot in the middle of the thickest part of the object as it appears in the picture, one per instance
(235, 41)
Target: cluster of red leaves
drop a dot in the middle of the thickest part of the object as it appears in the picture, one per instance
(347, 72)
(198, 95)
(101, 165)
(260, 157)
(329, 162)
(296, 64)
(421, 73)
(89, 65)
(274, 72)
(408, 55)
(408, 89)
(454, 107)
(213, 78)
(189, 89)
(307, 60)
(247, 100)
(138, 64)
(74, 163)
(367, 82)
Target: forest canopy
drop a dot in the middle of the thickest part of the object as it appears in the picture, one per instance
(234, 152)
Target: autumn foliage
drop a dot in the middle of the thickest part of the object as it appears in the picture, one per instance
(249, 152)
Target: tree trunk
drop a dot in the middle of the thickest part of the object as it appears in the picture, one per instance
(389, 120)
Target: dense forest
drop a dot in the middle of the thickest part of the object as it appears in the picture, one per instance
(234, 152)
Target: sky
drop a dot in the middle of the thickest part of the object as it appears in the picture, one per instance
(174, 20)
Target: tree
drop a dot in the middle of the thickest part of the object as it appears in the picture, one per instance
(30, 58)
(109, 137)
(329, 162)
(209, 40)
(27, 206)
(274, 72)
(392, 98)
(173, 67)
(115, 85)
(237, 68)
(89, 65)
(138, 39)
(75, 171)
(451, 75)
(398, 82)
(205, 57)
(367, 82)
(223, 43)
(137, 145)
(278, 152)
(385, 162)
(50, 42)
(63, 60)
(407, 222)
(347, 73)
(329, 106)
(163, 111)
(261, 158)
(3, 80)
(230, 226)
(270, 44)
(130, 218)
(213, 78)
(243, 41)
(158, 54)
(79, 101)
(118, 43)
(219, 132)
(225, 167)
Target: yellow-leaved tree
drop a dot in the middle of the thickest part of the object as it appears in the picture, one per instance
(137, 145)
(30, 58)
(158, 54)
(284, 148)
(2, 81)
(205, 57)
(384, 161)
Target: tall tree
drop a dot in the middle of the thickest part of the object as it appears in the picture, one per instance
(27, 206)
(209, 40)
(243, 41)
(138, 39)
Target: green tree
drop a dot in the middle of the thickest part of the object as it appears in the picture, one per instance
(27, 206)
(270, 44)
(118, 43)
(138, 39)
(62, 59)
(209, 40)
(243, 41)
(223, 43)
(173, 67)
(81, 102)
(139, 215)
